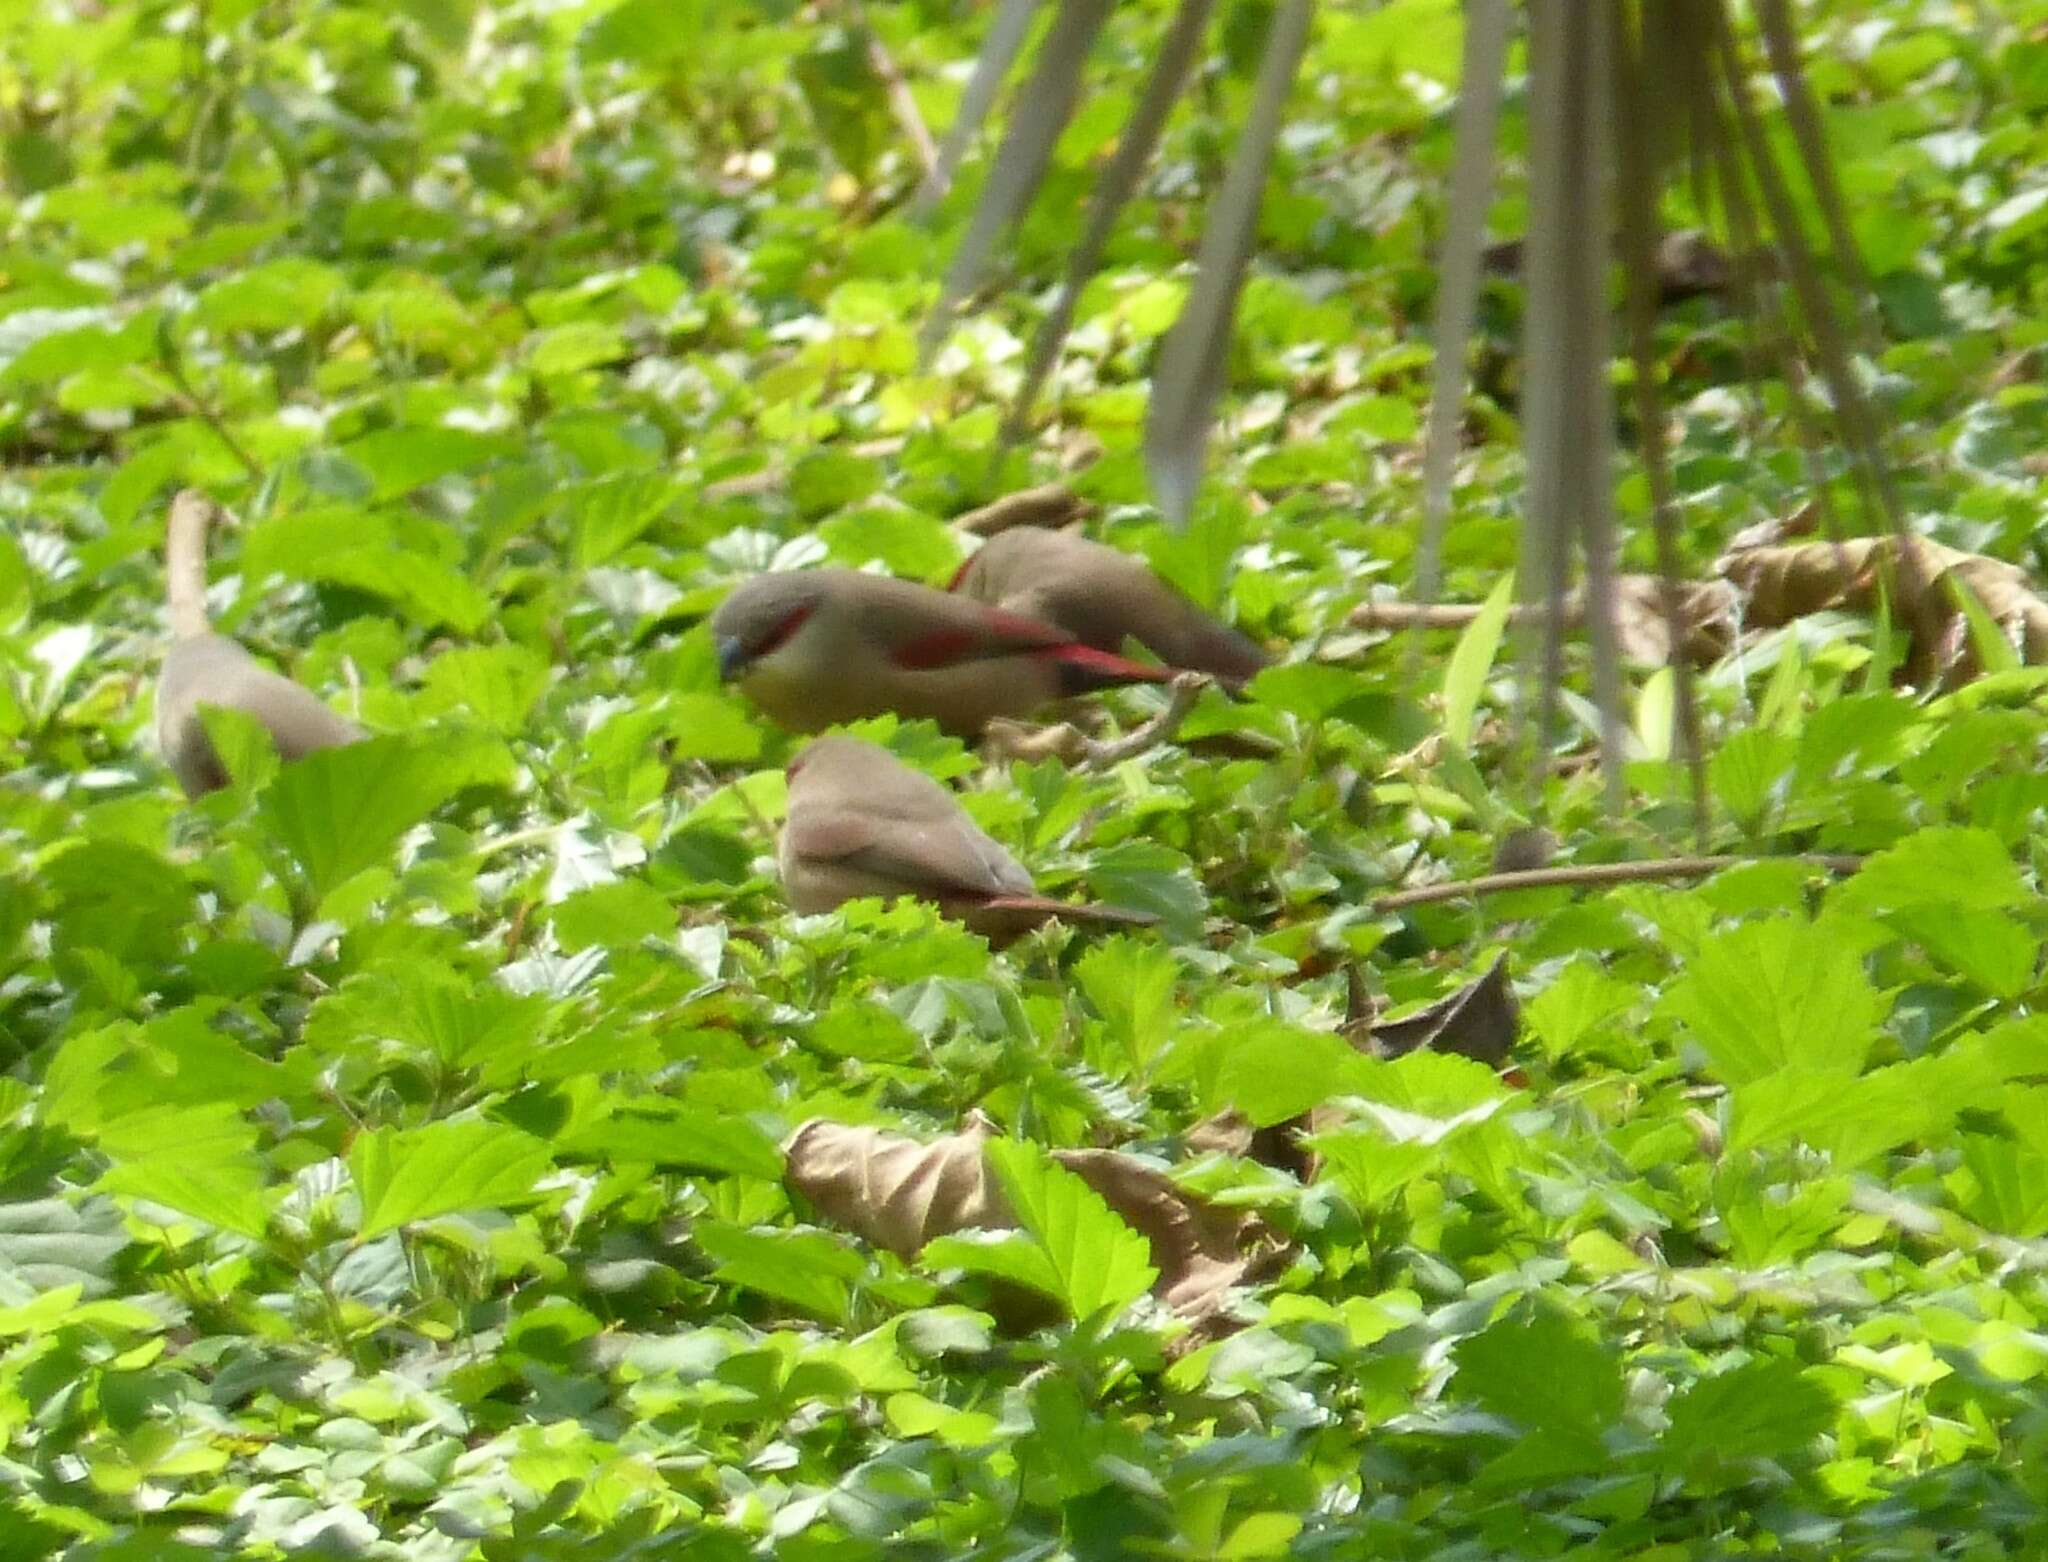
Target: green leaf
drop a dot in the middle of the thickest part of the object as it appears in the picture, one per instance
(399, 460)
(2005, 1186)
(278, 295)
(1748, 769)
(1773, 995)
(1760, 1409)
(412, 1174)
(809, 1268)
(1579, 1001)
(453, 1019)
(429, 591)
(1267, 1070)
(1539, 1368)
(1472, 660)
(1087, 1259)
(243, 743)
(340, 810)
(1130, 982)
(498, 684)
(1313, 691)
(576, 345)
(1990, 948)
(608, 516)
(647, 31)
(905, 542)
(1146, 875)
(1944, 867)
(613, 916)
(864, 1029)
(710, 727)
(668, 1133)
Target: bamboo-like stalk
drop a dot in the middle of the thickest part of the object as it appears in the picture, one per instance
(1480, 88)
(998, 53)
(1187, 376)
(1043, 109)
(1639, 142)
(1113, 189)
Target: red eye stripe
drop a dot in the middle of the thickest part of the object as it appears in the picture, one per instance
(779, 636)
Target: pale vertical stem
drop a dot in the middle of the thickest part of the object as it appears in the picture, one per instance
(1637, 120)
(1140, 138)
(1457, 297)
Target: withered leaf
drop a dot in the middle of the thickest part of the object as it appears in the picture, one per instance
(1781, 583)
(899, 1193)
(1478, 1021)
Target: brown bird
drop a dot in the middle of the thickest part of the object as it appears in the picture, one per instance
(815, 647)
(203, 668)
(861, 822)
(1101, 595)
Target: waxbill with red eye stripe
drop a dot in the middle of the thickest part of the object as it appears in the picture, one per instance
(861, 822)
(816, 647)
(1103, 596)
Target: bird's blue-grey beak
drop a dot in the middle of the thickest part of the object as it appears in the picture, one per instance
(732, 656)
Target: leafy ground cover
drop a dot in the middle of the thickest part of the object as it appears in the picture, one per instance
(391, 1145)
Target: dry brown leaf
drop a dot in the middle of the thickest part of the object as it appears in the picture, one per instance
(1478, 1021)
(899, 1193)
(1706, 609)
(1051, 505)
(895, 1191)
(1787, 582)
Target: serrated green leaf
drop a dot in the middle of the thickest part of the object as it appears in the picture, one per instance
(411, 1174)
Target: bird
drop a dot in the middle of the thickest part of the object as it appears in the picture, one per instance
(203, 668)
(814, 648)
(861, 822)
(1102, 596)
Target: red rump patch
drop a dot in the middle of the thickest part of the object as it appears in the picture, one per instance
(1100, 667)
(1021, 631)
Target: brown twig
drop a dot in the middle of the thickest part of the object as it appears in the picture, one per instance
(1005, 740)
(1598, 873)
(190, 403)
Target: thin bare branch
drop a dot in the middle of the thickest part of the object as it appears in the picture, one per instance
(1589, 874)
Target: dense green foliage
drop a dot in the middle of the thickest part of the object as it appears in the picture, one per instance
(389, 1144)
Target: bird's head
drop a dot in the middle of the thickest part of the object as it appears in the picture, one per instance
(761, 617)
